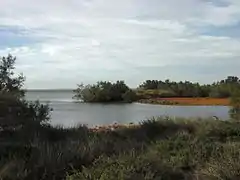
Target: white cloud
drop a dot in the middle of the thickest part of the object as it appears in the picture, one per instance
(95, 42)
(97, 39)
(220, 16)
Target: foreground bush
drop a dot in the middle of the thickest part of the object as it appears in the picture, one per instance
(179, 150)
(161, 148)
(20, 123)
(15, 112)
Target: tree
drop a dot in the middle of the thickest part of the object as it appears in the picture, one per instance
(104, 91)
(9, 82)
(232, 79)
(221, 89)
(129, 96)
(15, 111)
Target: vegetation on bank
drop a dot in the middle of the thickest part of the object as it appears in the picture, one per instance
(105, 92)
(161, 92)
(160, 148)
(221, 89)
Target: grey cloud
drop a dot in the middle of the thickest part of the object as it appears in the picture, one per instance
(129, 39)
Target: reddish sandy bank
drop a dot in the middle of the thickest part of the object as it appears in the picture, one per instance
(199, 101)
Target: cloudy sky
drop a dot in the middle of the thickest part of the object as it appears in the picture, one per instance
(60, 43)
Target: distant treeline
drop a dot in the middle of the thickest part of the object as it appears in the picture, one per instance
(221, 89)
(114, 92)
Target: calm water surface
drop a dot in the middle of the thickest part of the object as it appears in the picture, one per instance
(66, 112)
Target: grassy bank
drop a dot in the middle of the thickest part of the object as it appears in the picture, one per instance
(163, 148)
(188, 101)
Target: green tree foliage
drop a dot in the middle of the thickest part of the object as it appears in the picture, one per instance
(179, 89)
(10, 84)
(21, 123)
(129, 96)
(15, 111)
(220, 89)
(105, 92)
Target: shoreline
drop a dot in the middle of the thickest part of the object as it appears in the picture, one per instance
(112, 127)
(118, 126)
(173, 101)
(181, 101)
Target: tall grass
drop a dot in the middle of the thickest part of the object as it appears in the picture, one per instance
(160, 148)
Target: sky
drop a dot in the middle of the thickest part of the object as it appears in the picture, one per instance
(61, 43)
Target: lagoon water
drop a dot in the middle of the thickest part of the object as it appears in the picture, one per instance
(68, 113)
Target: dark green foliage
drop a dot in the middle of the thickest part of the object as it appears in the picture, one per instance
(119, 91)
(15, 112)
(160, 148)
(20, 122)
(105, 92)
(8, 82)
(180, 89)
(19, 115)
(221, 89)
(180, 149)
(129, 96)
(127, 167)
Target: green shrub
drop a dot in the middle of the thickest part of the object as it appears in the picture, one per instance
(159, 148)
(126, 167)
(105, 92)
(223, 164)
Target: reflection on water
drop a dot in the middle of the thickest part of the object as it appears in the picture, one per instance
(69, 113)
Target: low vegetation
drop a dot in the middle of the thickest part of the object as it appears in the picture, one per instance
(161, 92)
(160, 148)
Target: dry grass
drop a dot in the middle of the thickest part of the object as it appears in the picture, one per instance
(199, 101)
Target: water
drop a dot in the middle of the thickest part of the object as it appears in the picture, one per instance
(69, 113)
